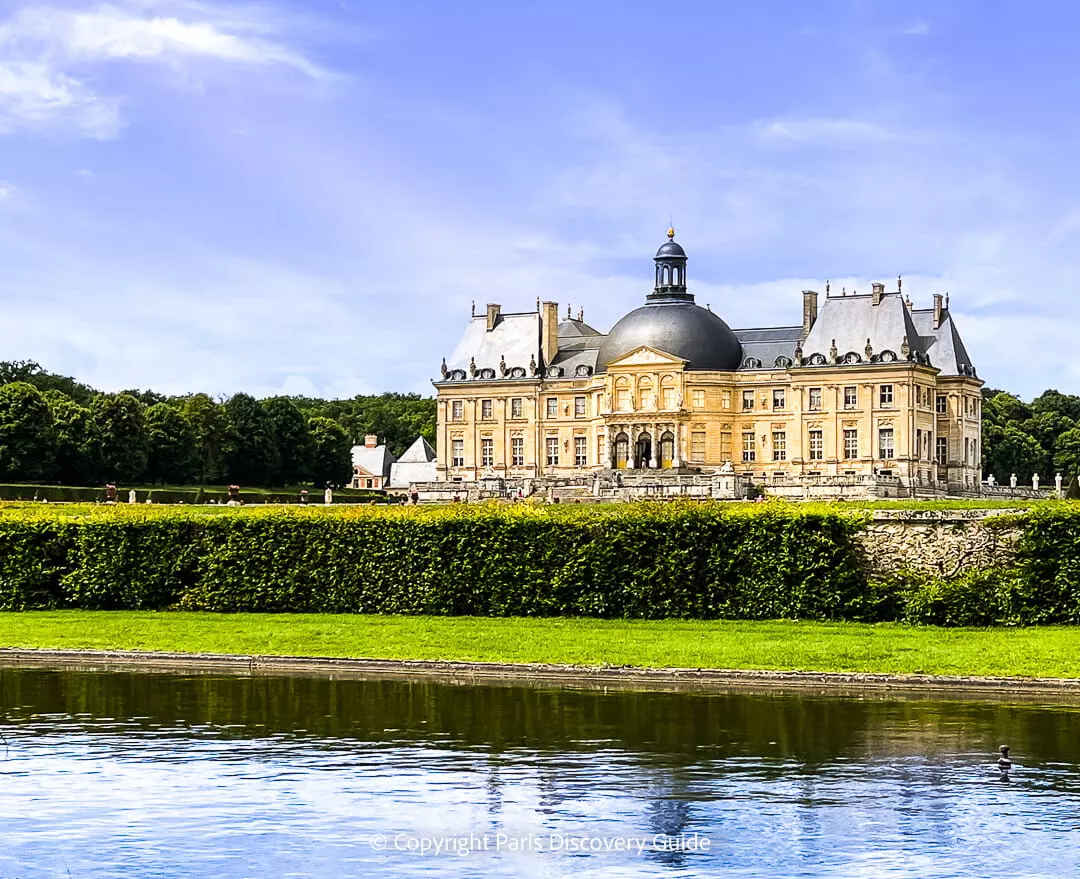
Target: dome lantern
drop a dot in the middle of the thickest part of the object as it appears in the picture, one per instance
(670, 262)
(670, 322)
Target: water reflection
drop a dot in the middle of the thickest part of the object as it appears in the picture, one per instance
(108, 774)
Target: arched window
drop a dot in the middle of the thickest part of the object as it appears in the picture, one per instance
(667, 449)
(622, 448)
(667, 392)
(645, 394)
(622, 394)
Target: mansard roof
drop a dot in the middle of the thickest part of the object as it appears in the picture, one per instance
(515, 340)
(943, 346)
(849, 321)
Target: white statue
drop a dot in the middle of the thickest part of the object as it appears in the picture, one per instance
(1012, 481)
(131, 496)
(990, 481)
(328, 496)
(1035, 481)
(1057, 482)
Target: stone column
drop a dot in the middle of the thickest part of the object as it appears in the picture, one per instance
(655, 447)
(676, 454)
(631, 445)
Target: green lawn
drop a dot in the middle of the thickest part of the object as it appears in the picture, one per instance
(827, 647)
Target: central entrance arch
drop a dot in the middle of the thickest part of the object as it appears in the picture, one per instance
(643, 451)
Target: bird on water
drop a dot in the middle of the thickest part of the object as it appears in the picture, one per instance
(1003, 761)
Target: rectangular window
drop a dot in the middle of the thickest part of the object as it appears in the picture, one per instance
(778, 398)
(667, 398)
(817, 445)
(579, 407)
(622, 399)
(646, 398)
(600, 450)
(941, 404)
(885, 397)
(698, 398)
(967, 447)
(851, 397)
(885, 443)
(487, 452)
(552, 407)
(749, 450)
(779, 445)
(943, 450)
(581, 457)
(517, 407)
(458, 453)
(368, 483)
(457, 410)
(487, 410)
(697, 445)
(747, 400)
(815, 400)
(517, 451)
(553, 451)
(851, 443)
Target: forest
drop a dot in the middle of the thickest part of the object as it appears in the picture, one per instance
(55, 429)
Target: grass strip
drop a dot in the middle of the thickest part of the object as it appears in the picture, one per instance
(1051, 651)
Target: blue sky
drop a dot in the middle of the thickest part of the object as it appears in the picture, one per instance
(305, 197)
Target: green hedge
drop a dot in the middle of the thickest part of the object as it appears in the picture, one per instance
(648, 561)
(690, 560)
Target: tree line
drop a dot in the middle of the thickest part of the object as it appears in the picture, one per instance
(1042, 437)
(56, 429)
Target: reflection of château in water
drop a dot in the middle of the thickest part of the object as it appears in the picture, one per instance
(867, 385)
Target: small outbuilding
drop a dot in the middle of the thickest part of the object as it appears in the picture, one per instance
(371, 464)
(418, 464)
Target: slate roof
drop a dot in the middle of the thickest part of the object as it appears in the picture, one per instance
(418, 464)
(375, 461)
(944, 346)
(515, 337)
(420, 452)
(851, 320)
(847, 320)
(766, 344)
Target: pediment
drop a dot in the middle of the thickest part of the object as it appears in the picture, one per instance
(646, 355)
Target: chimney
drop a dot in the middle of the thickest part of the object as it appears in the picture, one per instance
(878, 291)
(549, 332)
(937, 310)
(809, 311)
(492, 315)
(371, 440)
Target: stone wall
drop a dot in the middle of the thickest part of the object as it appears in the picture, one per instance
(943, 543)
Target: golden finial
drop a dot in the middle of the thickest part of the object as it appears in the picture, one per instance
(671, 232)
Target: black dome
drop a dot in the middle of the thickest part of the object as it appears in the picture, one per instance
(669, 249)
(678, 327)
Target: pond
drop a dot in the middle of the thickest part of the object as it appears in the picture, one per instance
(156, 775)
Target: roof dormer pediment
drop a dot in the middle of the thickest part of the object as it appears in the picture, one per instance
(645, 355)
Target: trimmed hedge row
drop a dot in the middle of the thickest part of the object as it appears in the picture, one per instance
(647, 561)
(704, 561)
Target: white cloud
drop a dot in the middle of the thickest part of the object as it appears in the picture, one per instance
(110, 32)
(49, 56)
(837, 132)
(919, 29)
(36, 96)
